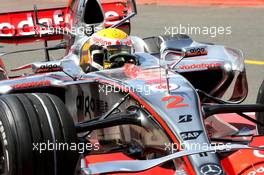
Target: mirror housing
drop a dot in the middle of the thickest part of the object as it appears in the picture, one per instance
(131, 12)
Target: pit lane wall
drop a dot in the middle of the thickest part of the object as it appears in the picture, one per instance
(246, 3)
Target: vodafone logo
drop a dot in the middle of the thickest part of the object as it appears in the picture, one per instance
(6, 29)
(257, 171)
(258, 153)
(101, 41)
(200, 66)
(23, 23)
(111, 14)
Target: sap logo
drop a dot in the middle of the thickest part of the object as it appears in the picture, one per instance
(185, 118)
(260, 170)
(191, 135)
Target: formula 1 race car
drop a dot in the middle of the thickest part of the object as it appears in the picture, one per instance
(169, 113)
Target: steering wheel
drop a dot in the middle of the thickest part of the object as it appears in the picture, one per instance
(120, 59)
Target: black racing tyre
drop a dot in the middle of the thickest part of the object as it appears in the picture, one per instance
(28, 121)
(260, 115)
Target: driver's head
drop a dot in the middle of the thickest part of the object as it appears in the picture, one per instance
(105, 43)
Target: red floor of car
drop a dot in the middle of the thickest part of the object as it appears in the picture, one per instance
(238, 121)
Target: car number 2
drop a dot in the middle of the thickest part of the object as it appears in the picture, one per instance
(174, 102)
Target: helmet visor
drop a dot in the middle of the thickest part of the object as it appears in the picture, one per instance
(115, 49)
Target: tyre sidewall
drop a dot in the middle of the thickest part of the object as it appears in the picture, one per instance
(260, 115)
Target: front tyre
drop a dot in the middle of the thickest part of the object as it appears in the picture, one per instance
(28, 121)
(260, 115)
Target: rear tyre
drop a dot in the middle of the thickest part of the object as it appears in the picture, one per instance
(260, 115)
(29, 123)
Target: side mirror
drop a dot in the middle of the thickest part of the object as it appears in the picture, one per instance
(172, 57)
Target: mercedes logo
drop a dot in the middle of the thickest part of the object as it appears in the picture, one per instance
(211, 169)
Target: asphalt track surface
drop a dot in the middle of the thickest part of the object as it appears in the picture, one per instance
(246, 25)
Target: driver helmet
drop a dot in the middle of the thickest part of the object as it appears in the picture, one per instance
(103, 44)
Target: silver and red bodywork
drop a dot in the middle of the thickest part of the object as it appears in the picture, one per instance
(164, 107)
(20, 27)
(66, 79)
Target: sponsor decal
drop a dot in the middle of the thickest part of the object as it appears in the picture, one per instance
(18, 24)
(87, 106)
(191, 135)
(200, 66)
(156, 81)
(23, 23)
(107, 42)
(132, 70)
(196, 52)
(258, 153)
(111, 14)
(114, 10)
(211, 169)
(163, 86)
(101, 41)
(185, 118)
(149, 76)
(31, 84)
(49, 68)
(255, 170)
